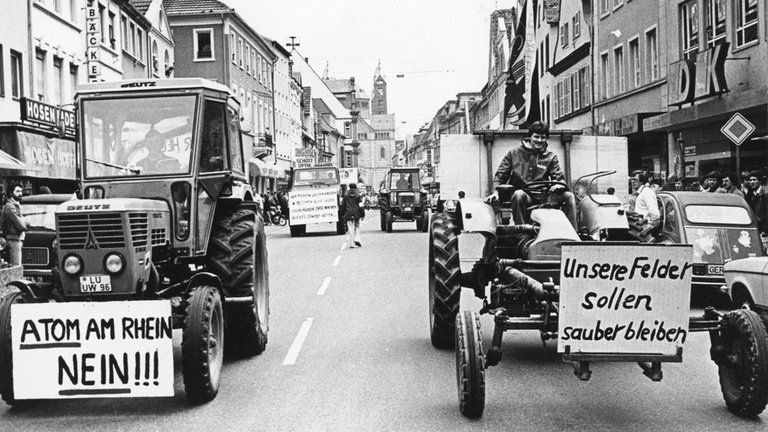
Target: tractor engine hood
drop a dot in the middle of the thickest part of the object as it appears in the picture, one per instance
(113, 204)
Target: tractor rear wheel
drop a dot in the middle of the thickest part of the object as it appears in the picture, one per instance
(444, 281)
(470, 364)
(388, 221)
(237, 253)
(425, 221)
(6, 356)
(202, 344)
(744, 374)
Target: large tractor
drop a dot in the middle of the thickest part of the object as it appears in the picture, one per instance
(519, 277)
(167, 214)
(402, 198)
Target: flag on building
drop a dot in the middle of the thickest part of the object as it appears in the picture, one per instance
(518, 102)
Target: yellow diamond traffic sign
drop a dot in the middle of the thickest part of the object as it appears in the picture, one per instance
(737, 129)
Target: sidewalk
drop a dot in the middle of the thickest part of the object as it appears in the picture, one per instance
(273, 229)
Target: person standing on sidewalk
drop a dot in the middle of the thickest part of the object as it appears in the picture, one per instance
(353, 213)
(13, 224)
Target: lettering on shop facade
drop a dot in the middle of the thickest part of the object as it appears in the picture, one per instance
(690, 81)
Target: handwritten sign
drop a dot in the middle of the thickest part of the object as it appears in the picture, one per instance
(314, 205)
(625, 299)
(95, 349)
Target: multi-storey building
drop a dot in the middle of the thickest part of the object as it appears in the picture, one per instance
(214, 42)
(160, 52)
(489, 113)
(287, 136)
(717, 57)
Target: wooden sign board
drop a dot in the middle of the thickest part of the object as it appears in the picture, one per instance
(624, 298)
(94, 349)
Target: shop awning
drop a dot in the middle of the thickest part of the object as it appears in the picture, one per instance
(257, 168)
(8, 162)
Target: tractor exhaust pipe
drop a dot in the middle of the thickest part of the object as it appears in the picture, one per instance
(541, 291)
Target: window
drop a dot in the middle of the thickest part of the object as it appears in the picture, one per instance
(111, 30)
(546, 52)
(73, 70)
(618, 69)
(564, 39)
(2, 72)
(58, 76)
(203, 41)
(605, 6)
(73, 11)
(714, 19)
(585, 82)
(248, 60)
(652, 55)
(347, 129)
(604, 81)
(257, 68)
(132, 35)
(576, 25)
(746, 22)
(140, 44)
(233, 47)
(576, 91)
(17, 75)
(634, 63)
(382, 153)
(39, 74)
(571, 93)
(213, 154)
(240, 52)
(103, 23)
(124, 26)
(541, 58)
(617, 3)
(689, 28)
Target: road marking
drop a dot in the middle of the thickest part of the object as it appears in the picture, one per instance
(324, 286)
(293, 351)
(337, 260)
(343, 246)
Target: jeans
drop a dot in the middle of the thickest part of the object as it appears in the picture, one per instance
(353, 226)
(521, 201)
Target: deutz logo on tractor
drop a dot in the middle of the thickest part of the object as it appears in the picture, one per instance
(88, 207)
(140, 84)
(90, 242)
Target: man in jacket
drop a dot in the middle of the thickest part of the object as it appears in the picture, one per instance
(758, 201)
(353, 213)
(528, 163)
(728, 185)
(13, 224)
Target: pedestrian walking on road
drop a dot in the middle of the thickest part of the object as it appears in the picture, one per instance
(13, 224)
(353, 213)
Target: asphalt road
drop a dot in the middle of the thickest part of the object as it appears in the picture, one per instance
(349, 350)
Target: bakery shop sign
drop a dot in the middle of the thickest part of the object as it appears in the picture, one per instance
(690, 81)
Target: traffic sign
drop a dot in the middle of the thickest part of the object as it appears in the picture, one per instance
(737, 129)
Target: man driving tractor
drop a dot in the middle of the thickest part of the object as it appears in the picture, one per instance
(532, 162)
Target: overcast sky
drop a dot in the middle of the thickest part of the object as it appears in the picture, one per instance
(410, 37)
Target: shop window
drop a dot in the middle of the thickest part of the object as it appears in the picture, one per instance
(746, 22)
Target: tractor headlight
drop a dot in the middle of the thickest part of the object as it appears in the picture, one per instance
(73, 264)
(114, 263)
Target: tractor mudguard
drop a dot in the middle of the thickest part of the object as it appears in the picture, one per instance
(239, 192)
(474, 215)
(31, 289)
(205, 278)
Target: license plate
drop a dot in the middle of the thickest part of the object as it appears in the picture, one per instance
(715, 269)
(95, 283)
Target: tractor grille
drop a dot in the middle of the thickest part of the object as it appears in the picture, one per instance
(139, 229)
(158, 236)
(97, 230)
(34, 256)
(406, 200)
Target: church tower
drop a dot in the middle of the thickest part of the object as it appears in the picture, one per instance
(379, 98)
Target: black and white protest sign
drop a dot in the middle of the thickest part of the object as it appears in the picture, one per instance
(624, 299)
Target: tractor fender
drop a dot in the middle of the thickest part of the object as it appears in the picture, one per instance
(474, 215)
(31, 289)
(205, 278)
(237, 191)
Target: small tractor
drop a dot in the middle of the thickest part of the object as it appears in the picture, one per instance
(402, 198)
(167, 215)
(519, 277)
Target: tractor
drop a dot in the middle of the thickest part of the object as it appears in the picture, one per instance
(167, 215)
(401, 198)
(519, 278)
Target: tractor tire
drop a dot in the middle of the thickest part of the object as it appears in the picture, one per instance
(202, 344)
(444, 281)
(382, 221)
(419, 223)
(388, 221)
(341, 227)
(470, 364)
(744, 379)
(298, 230)
(6, 356)
(237, 254)
(425, 221)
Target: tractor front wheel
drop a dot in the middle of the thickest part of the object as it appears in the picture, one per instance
(444, 281)
(470, 364)
(202, 344)
(744, 371)
(388, 221)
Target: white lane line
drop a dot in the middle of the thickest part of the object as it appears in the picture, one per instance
(293, 352)
(343, 246)
(324, 286)
(337, 260)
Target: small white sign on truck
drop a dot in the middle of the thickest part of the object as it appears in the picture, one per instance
(94, 349)
(624, 298)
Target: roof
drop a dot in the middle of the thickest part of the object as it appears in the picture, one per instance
(185, 7)
(339, 85)
(706, 198)
(141, 5)
(150, 84)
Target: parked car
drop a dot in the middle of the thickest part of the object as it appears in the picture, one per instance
(38, 253)
(747, 283)
(720, 227)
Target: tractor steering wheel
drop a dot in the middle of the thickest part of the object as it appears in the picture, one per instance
(539, 191)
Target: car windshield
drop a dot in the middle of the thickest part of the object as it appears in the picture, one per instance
(138, 136)
(40, 215)
(715, 214)
(404, 181)
(315, 176)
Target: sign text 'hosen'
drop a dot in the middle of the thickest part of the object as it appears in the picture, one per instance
(624, 299)
(94, 349)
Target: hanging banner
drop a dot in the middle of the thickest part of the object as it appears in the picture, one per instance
(517, 100)
(92, 349)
